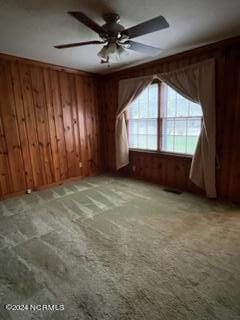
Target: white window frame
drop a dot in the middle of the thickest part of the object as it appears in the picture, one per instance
(161, 101)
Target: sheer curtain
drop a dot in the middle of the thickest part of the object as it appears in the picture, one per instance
(195, 82)
(128, 91)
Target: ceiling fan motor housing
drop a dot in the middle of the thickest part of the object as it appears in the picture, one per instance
(112, 26)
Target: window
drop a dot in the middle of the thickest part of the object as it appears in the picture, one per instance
(181, 123)
(170, 123)
(143, 120)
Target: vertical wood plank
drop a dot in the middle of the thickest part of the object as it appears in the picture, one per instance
(21, 120)
(9, 122)
(52, 125)
(75, 125)
(5, 173)
(82, 125)
(66, 101)
(42, 124)
(30, 124)
(88, 121)
(58, 116)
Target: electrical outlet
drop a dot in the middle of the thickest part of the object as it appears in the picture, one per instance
(80, 164)
(133, 168)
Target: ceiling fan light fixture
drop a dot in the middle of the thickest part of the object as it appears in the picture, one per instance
(121, 50)
(117, 53)
(124, 37)
(103, 53)
(125, 45)
(112, 48)
(112, 52)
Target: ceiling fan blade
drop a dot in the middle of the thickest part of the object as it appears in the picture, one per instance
(146, 27)
(78, 44)
(143, 48)
(80, 16)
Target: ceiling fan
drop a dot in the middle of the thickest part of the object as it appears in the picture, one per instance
(115, 37)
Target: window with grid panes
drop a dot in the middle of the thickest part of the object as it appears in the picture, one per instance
(143, 120)
(171, 123)
(181, 122)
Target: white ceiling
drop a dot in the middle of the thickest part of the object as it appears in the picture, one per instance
(30, 28)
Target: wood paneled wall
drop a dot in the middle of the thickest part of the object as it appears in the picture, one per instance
(49, 125)
(174, 170)
(52, 122)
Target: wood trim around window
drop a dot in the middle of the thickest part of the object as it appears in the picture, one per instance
(162, 153)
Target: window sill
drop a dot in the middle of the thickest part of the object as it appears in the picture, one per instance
(163, 153)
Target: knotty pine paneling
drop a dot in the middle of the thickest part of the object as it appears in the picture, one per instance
(53, 118)
(49, 123)
(173, 170)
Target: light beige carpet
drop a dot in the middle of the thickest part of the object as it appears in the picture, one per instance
(114, 248)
